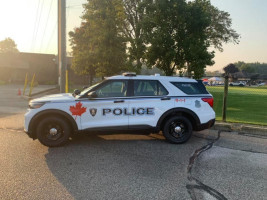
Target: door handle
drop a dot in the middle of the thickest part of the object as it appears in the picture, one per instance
(118, 101)
(165, 98)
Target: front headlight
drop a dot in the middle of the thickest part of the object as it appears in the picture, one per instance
(34, 105)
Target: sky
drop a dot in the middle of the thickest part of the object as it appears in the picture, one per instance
(32, 24)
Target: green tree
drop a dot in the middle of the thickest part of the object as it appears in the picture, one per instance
(98, 45)
(214, 73)
(260, 68)
(196, 45)
(239, 64)
(134, 34)
(83, 61)
(176, 38)
(247, 68)
(161, 34)
(220, 30)
(230, 69)
(8, 46)
(180, 33)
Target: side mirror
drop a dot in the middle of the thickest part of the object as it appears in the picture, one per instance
(76, 92)
(92, 94)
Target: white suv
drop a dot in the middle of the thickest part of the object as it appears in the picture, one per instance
(176, 106)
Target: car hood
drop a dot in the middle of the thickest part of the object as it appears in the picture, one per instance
(65, 97)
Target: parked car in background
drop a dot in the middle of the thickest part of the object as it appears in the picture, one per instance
(241, 84)
(261, 83)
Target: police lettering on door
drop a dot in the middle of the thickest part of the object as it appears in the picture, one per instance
(128, 112)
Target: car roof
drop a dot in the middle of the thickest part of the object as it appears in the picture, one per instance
(152, 77)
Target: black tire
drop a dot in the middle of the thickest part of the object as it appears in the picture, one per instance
(62, 135)
(184, 127)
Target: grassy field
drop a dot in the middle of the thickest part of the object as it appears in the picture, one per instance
(244, 104)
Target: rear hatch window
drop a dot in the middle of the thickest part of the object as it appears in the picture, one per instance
(191, 87)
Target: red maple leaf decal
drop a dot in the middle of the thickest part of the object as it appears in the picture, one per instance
(77, 110)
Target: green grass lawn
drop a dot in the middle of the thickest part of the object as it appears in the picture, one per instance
(244, 104)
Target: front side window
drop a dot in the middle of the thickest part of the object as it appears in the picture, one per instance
(113, 89)
(149, 88)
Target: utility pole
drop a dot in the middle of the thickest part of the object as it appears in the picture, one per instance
(62, 64)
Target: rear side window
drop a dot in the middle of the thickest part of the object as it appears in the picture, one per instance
(191, 88)
(149, 88)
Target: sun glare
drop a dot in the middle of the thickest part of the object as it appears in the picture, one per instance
(21, 21)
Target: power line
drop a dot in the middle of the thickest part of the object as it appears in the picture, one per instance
(51, 36)
(55, 25)
(34, 29)
(46, 23)
(53, 32)
(39, 18)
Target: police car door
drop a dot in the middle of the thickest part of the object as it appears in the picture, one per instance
(148, 102)
(108, 107)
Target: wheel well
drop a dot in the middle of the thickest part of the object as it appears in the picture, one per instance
(59, 114)
(190, 116)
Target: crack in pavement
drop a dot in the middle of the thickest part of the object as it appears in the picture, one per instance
(197, 184)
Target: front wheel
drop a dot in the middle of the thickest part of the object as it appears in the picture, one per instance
(53, 131)
(177, 129)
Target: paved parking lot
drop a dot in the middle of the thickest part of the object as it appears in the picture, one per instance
(11, 103)
(127, 166)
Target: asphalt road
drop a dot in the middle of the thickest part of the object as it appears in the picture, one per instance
(94, 167)
(124, 166)
(11, 103)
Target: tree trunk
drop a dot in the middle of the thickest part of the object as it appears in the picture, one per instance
(139, 65)
(189, 71)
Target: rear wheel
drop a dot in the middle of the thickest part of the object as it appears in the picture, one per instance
(177, 129)
(53, 131)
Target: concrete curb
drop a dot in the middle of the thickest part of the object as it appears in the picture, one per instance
(245, 129)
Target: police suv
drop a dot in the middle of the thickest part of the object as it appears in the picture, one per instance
(176, 106)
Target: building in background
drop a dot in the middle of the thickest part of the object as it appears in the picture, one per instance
(14, 66)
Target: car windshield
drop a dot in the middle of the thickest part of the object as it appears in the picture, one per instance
(87, 90)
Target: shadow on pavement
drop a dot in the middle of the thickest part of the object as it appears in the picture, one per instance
(122, 166)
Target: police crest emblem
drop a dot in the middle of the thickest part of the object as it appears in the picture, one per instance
(93, 111)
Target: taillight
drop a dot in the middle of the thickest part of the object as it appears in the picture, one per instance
(209, 101)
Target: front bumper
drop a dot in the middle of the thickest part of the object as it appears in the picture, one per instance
(204, 126)
(27, 119)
